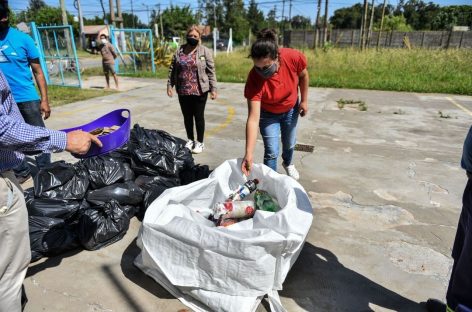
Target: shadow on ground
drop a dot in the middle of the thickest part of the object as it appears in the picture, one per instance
(319, 282)
(137, 276)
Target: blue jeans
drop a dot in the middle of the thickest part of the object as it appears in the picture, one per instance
(274, 125)
(31, 112)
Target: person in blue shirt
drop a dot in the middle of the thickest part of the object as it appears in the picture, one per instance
(18, 57)
(459, 291)
(16, 137)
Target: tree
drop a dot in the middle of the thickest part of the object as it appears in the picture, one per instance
(128, 21)
(347, 18)
(419, 14)
(176, 20)
(271, 21)
(255, 17)
(452, 16)
(36, 5)
(300, 22)
(398, 23)
(212, 9)
(235, 18)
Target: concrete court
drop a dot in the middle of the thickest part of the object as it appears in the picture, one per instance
(386, 186)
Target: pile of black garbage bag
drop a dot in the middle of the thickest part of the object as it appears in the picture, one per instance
(89, 204)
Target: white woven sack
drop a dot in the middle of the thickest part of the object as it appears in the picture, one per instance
(224, 269)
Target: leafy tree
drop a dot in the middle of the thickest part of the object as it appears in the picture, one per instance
(211, 9)
(271, 21)
(419, 15)
(255, 17)
(36, 5)
(398, 23)
(452, 16)
(235, 17)
(175, 20)
(300, 22)
(347, 18)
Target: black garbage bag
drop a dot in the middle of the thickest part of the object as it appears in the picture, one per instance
(61, 180)
(128, 173)
(50, 236)
(130, 210)
(54, 208)
(102, 225)
(104, 170)
(127, 193)
(145, 182)
(156, 152)
(121, 153)
(195, 173)
(153, 191)
(29, 195)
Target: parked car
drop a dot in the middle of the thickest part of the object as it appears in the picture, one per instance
(222, 44)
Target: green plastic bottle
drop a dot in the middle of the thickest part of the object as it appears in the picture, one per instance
(265, 202)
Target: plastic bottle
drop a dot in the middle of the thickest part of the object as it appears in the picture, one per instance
(244, 190)
(234, 209)
(265, 202)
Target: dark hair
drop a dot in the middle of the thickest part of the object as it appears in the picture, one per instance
(103, 35)
(265, 45)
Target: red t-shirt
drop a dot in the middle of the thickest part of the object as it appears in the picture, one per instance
(279, 93)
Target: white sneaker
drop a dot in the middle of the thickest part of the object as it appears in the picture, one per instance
(189, 144)
(292, 171)
(198, 147)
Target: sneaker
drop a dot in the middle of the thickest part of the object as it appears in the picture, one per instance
(23, 180)
(189, 144)
(291, 171)
(198, 148)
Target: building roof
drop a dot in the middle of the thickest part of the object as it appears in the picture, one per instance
(93, 29)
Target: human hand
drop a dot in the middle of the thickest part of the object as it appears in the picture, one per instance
(45, 109)
(303, 109)
(169, 91)
(213, 95)
(79, 142)
(246, 165)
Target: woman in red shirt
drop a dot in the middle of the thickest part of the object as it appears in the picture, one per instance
(272, 95)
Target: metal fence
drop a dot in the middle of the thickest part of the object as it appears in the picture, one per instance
(135, 50)
(389, 39)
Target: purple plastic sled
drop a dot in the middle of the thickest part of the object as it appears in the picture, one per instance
(112, 140)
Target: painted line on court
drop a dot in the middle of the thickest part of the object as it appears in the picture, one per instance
(459, 105)
(229, 118)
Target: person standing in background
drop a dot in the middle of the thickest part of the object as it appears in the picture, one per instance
(192, 72)
(108, 60)
(18, 56)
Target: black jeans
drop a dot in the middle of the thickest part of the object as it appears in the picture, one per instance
(193, 107)
(31, 113)
(460, 284)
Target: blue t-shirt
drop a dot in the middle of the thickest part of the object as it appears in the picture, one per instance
(17, 49)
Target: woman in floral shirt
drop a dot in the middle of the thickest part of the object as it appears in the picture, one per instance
(192, 72)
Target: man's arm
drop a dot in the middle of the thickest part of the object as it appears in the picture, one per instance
(43, 87)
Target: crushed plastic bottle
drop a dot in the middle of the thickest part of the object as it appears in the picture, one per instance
(234, 209)
(265, 202)
(243, 190)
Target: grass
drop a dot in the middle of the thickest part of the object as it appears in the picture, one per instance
(416, 70)
(64, 95)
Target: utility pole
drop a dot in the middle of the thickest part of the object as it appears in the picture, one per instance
(325, 30)
(104, 14)
(81, 24)
(147, 10)
(120, 16)
(64, 12)
(290, 15)
(112, 13)
(317, 24)
(283, 16)
(160, 21)
(371, 23)
(214, 12)
(132, 14)
(381, 24)
(364, 22)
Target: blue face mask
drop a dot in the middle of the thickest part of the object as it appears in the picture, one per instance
(268, 72)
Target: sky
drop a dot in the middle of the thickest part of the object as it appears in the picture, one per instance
(306, 8)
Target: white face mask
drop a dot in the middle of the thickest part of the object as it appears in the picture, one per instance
(103, 41)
